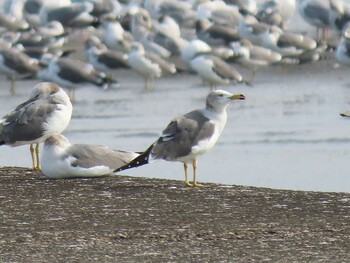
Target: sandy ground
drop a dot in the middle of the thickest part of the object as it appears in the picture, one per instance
(131, 219)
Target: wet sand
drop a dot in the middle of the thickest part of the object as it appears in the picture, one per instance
(133, 219)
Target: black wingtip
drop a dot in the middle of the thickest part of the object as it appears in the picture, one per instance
(140, 160)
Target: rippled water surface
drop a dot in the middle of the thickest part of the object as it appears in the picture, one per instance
(287, 134)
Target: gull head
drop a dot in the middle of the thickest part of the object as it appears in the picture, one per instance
(57, 140)
(51, 92)
(43, 90)
(218, 100)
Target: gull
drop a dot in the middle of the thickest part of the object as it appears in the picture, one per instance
(36, 39)
(148, 64)
(288, 43)
(102, 58)
(168, 27)
(72, 73)
(141, 26)
(197, 47)
(31, 11)
(245, 6)
(191, 135)
(166, 33)
(339, 14)
(216, 34)
(193, 48)
(11, 24)
(14, 63)
(47, 111)
(114, 36)
(181, 11)
(60, 159)
(276, 12)
(343, 50)
(253, 30)
(219, 12)
(253, 57)
(75, 15)
(316, 13)
(215, 70)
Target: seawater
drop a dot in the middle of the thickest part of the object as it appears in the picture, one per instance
(287, 134)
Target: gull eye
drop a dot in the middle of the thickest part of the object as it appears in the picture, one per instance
(221, 95)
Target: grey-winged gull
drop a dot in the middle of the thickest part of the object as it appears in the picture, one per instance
(47, 111)
(102, 58)
(215, 70)
(343, 50)
(276, 12)
(254, 57)
(72, 73)
(114, 36)
(191, 135)
(14, 63)
(339, 15)
(141, 29)
(74, 15)
(219, 12)
(253, 30)
(60, 159)
(288, 43)
(216, 34)
(148, 64)
(316, 13)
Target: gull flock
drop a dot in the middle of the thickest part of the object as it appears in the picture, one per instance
(39, 39)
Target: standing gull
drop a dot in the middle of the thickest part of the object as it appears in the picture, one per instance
(72, 73)
(343, 50)
(190, 135)
(14, 64)
(254, 57)
(149, 65)
(47, 111)
(215, 70)
(316, 13)
(60, 159)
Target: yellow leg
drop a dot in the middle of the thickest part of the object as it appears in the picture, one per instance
(194, 165)
(187, 183)
(31, 148)
(37, 167)
(12, 87)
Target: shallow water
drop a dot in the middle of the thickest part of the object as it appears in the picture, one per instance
(287, 134)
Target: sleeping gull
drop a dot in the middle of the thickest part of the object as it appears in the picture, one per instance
(60, 159)
(190, 135)
(47, 111)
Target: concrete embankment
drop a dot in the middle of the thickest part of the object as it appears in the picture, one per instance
(129, 219)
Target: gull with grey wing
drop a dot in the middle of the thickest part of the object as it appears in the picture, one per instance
(191, 135)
